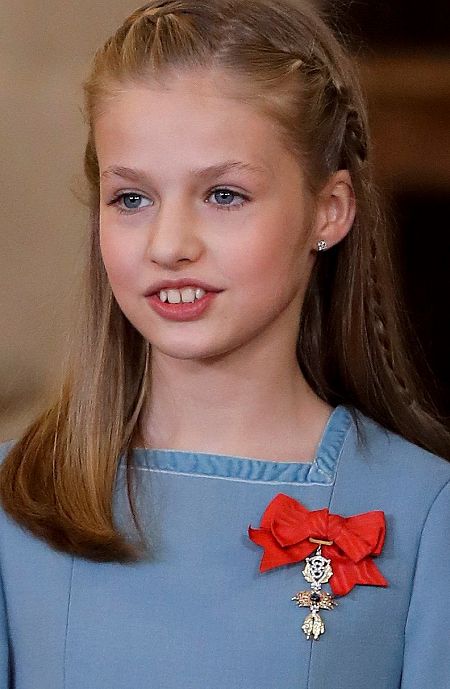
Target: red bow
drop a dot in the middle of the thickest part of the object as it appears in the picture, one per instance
(286, 527)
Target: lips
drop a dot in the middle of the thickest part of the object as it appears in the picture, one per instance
(189, 311)
(179, 284)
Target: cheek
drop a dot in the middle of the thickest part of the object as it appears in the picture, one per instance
(276, 252)
(120, 258)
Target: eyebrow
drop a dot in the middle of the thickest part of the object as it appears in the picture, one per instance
(201, 173)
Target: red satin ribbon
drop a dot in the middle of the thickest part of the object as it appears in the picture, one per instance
(286, 526)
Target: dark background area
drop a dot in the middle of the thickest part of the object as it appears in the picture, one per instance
(406, 46)
(398, 25)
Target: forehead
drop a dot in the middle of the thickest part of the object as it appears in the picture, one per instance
(189, 89)
(186, 115)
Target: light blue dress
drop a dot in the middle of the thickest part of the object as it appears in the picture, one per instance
(201, 616)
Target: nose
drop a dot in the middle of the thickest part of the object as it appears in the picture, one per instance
(173, 236)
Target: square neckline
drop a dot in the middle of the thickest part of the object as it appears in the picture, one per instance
(236, 467)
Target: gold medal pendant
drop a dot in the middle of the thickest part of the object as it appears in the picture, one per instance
(317, 571)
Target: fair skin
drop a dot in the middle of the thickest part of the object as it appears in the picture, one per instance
(227, 382)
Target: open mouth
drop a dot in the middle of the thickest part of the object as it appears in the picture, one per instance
(186, 295)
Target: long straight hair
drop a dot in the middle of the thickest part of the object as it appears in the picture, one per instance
(59, 478)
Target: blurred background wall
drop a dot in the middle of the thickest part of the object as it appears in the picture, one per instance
(45, 50)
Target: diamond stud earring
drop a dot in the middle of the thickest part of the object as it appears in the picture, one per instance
(322, 245)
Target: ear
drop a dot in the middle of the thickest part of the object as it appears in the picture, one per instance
(335, 210)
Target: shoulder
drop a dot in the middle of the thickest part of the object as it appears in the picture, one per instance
(5, 447)
(403, 455)
(380, 463)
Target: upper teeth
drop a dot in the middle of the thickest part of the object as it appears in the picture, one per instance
(187, 294)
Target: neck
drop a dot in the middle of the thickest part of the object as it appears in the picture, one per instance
(254, 406)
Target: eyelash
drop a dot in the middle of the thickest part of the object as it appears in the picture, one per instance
(116, 200)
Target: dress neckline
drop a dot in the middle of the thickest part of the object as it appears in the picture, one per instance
(321, 470)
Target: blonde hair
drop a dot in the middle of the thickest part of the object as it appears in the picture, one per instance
(59, 478)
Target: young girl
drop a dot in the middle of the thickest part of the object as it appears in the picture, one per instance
(239, 362)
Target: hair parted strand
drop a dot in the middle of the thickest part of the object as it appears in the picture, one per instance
(59, 478)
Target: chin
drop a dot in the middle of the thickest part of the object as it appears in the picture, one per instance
(199, 356)
(188, 351)
(185, 351)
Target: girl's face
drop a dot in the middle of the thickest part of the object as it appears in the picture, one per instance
(196, 185)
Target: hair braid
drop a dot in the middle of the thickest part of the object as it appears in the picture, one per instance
(377, 310)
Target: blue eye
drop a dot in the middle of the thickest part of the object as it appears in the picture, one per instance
(131, 202)
(223, 195)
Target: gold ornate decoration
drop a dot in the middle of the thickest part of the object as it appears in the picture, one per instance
(317, 571)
